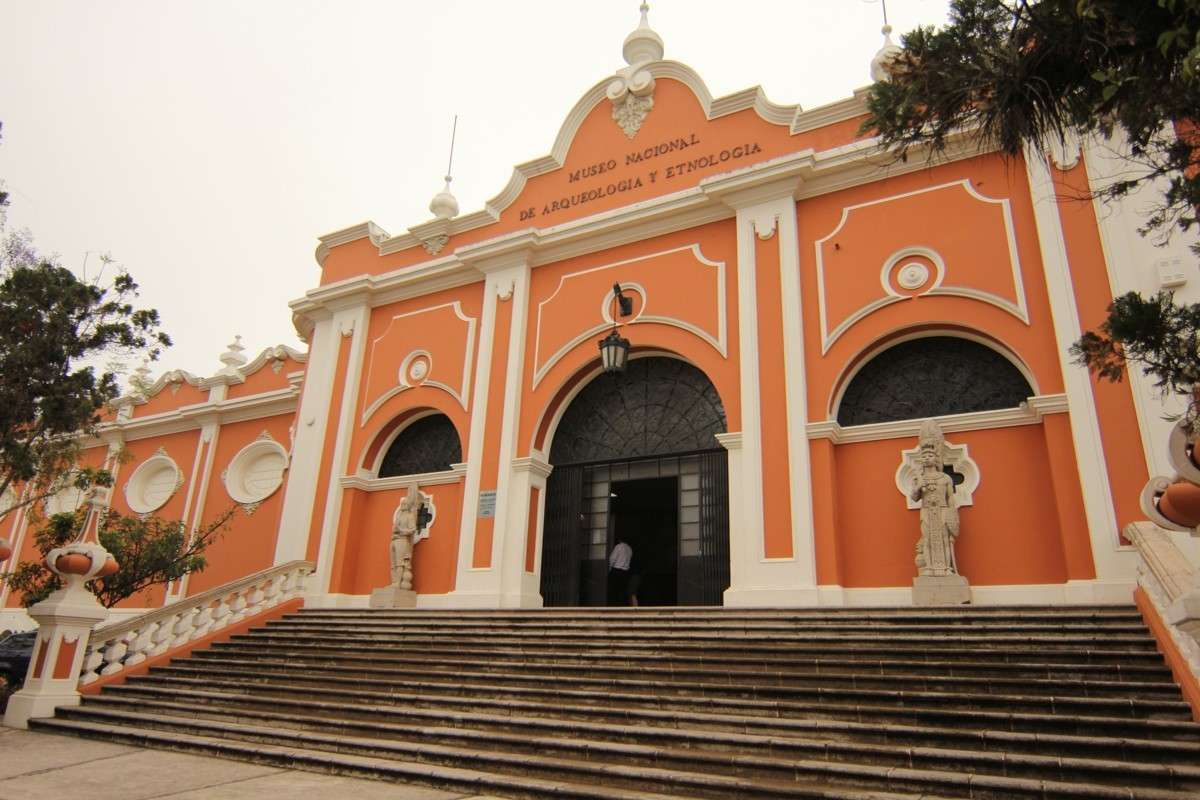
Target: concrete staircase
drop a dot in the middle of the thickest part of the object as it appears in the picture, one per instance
(1024, 702)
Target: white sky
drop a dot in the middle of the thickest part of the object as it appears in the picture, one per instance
(206, 144)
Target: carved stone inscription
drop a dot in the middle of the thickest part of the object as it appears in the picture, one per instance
(608, 184)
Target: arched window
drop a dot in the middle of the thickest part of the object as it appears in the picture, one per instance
(658, 406)
(930, 377)
(430, 444)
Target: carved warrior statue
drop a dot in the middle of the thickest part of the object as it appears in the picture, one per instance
(937, 579)
(403, 533)
(934, 490)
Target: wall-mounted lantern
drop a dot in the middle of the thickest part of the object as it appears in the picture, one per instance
(614, 348)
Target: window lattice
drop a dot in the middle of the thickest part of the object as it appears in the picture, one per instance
(428, 445)
(930, 377)
(658, 406)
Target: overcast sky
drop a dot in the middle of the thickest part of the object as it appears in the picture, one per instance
(206, 144)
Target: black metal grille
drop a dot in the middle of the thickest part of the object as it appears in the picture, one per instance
(430, 444)
(714, 528)
(930, 377)
(562, 545)
(657, 407)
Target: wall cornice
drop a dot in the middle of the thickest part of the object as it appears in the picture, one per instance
(809, 173)
(193, 417)
(1030, 412)
(367, 483)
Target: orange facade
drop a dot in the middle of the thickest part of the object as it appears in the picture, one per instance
(775, 251)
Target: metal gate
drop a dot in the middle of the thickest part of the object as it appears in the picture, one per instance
(562, 545)
(714, 528)
(576, 540)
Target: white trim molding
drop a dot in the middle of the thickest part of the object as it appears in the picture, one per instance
(1112, 560)
(406, 380)
(1017, 306)
(718, 339)
(1028, 413)
(367, 483)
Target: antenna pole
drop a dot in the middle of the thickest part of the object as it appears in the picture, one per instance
(453, 131)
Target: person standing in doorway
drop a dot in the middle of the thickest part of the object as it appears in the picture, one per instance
(619, 561)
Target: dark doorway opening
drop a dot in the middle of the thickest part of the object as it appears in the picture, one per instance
(645, 513)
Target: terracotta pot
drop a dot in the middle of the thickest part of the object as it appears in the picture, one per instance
(73, 563)
(110, 566)
(1180, 503)
(5, 550)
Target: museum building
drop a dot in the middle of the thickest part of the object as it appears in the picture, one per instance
(709, 326)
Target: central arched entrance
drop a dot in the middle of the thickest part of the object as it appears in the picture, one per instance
(635, 456)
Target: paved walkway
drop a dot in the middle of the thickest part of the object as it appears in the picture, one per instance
(40, 765)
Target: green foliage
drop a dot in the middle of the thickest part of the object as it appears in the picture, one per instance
(1028, 72)
(1162, 337)
(150, 551)
(54, 328)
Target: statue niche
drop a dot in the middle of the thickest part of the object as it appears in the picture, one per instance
(937, 581)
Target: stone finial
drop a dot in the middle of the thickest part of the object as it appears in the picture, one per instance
(632, 88)
(643, 45)
(444, 205)
(140, 379)
(881, 63)
(232, 358)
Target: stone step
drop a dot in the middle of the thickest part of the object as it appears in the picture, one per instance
(685, 749)
(720, 713)
(950, 614)
(385, 769)
(1071, 649)
(768, 626)
(752, 686)
(780, 702)
(667, 636)
(629, 774)
(1135, 667)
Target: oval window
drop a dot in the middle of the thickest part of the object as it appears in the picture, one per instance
(152, 484)
(256, 472)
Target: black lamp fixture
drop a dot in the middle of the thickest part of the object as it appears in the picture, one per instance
(614, 348)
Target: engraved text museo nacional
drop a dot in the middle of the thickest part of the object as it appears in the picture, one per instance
(686, 165)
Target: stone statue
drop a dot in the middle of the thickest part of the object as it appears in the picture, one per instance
(938, 581)
(399, 593)
(934, 490)
(403, 533)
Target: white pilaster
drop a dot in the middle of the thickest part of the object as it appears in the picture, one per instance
(521, 589)
(1113, 562)
(1132, 261)
(756, 580)
(348, 322)
(499, 583)
(210, 429)
(312, 418)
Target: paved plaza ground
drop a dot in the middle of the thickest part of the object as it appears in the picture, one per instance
(39, 765)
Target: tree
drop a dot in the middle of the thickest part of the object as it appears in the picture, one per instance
(55, 327)
(149, 550)
(1027, 72)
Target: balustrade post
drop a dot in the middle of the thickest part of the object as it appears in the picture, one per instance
(65, 622)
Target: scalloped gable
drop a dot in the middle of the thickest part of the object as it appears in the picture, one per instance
(594, 167)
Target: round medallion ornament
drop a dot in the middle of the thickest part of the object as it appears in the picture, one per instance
(418, 370)
(913, 275)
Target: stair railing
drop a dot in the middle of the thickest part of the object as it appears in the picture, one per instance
(1170, 586)
(115, 648)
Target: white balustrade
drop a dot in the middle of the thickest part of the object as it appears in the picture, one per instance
(115, 648)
